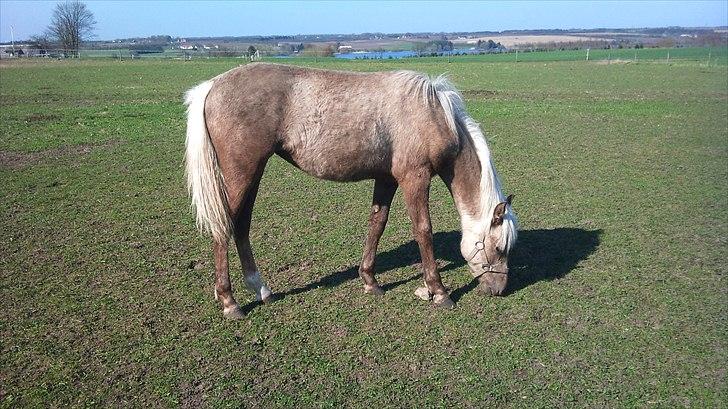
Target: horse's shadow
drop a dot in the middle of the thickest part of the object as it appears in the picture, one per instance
(538, 255)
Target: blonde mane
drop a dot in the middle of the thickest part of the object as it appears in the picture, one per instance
(462, 125)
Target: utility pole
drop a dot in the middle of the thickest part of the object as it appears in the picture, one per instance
(12, 38)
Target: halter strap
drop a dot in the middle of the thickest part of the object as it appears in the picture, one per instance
(499, 268)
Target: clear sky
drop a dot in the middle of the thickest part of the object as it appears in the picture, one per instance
(120, 19)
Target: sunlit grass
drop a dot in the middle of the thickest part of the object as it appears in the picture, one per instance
(618, 296)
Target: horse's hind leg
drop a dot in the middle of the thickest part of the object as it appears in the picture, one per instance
(223, 288)
(242, 186)
(383, 193)
(242, 241)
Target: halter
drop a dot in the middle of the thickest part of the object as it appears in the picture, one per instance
(498, 268)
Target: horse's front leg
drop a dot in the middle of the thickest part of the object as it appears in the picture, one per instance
(383, 193)
(416, 188)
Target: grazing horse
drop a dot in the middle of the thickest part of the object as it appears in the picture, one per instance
(399, 128)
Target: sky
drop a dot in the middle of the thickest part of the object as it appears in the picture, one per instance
(123, 19)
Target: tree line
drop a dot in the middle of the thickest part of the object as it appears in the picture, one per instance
(71, 24)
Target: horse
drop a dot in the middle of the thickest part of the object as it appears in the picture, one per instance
(399, 128)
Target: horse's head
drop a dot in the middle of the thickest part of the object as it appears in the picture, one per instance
(486, 251)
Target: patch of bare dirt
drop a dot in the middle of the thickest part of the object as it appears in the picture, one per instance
(41, 118)
(479, 93)
(19, 160)
(615, 61)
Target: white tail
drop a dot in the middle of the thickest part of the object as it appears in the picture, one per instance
(204, 180)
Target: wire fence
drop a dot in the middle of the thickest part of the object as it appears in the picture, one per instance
(121, 54)
(707, 55)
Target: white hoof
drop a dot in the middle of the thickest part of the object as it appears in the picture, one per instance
(264, 294)
(422, 293)
(233, 312)
(257, 286)
(443, 301)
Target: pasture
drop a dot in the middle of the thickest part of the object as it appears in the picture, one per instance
(618, 294)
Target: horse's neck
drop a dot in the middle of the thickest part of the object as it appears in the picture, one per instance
(463, 178)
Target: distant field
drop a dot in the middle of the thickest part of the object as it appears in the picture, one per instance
(510, 41)
(618, 295)
(706, 55)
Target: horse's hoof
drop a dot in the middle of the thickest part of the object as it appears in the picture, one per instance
(422, 293)
(233, 312)
(443, 301)
(373, 290)
(268, 299)
(483, 289)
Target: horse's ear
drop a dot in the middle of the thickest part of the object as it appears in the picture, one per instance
(498, 213)
(500, 210)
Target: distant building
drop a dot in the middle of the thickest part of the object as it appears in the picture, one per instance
(187, 46)
(345, 49)
(20, 50)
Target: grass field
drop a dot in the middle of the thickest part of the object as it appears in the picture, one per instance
(706, 55)
(618, 295)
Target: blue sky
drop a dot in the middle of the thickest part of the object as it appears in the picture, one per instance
(120, 19)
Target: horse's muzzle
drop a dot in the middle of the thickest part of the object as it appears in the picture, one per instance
(492, 283)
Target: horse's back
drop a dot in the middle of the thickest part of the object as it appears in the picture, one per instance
(333, 125)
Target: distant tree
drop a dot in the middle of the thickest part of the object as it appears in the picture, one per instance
(41, 42)
(251, 50)
(442, 45)
(315, 50)
(159, 39)
(420, 48)
(71, 24)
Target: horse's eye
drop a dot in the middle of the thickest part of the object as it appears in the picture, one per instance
(498, 249)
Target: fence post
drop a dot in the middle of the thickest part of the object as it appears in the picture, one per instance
(587, 54)
(516, 55)
(668, 57)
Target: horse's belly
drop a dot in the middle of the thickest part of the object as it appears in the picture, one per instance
(339, 162)
(340, 170)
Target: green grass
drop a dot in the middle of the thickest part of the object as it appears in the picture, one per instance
(705, 55)
(618, 295)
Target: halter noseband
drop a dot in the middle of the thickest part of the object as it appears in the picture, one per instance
(499, 268)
